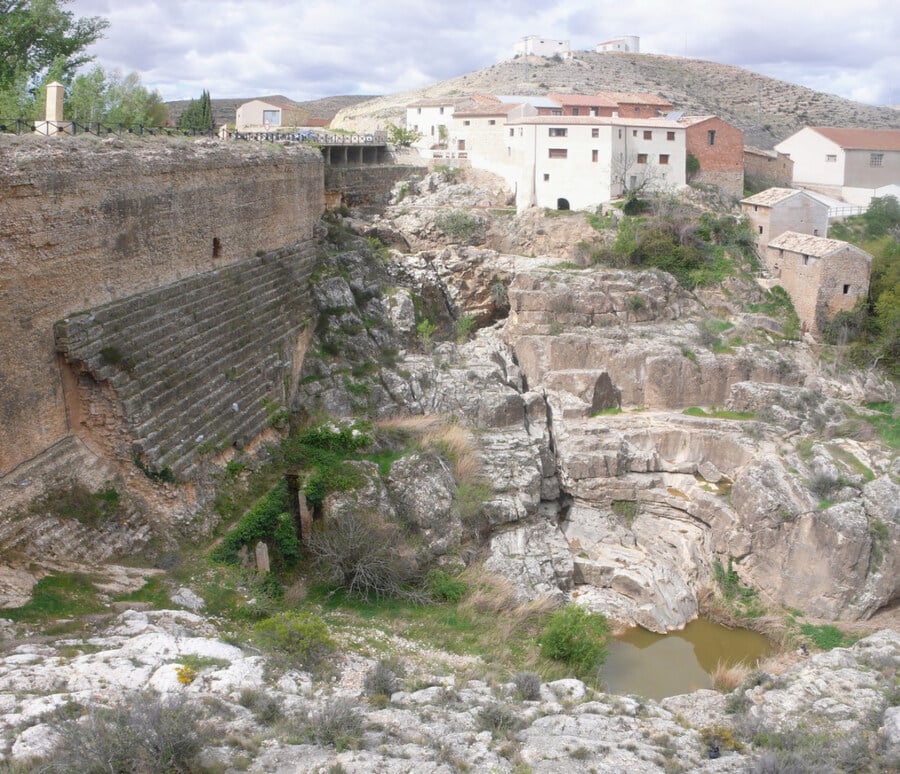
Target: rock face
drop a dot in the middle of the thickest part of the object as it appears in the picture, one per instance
(433, 722)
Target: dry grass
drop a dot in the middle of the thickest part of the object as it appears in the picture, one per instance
(453, 441)
(727, 677)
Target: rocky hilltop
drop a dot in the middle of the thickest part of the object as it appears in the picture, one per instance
(766, 109)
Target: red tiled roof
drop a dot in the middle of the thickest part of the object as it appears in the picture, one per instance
(635, 98)
(277, 100)
(588, 100)
(495, 109)
(861, 139)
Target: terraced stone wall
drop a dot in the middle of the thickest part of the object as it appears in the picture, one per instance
(116, 224)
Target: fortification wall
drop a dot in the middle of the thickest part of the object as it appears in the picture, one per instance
(368, 186)
(85, 223)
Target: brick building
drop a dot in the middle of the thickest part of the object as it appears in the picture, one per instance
(719, 147)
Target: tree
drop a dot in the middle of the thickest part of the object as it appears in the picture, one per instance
(114, 99)
(197, 116)
(882, 215)
(400, 135)
(631, 175)
(36, 35)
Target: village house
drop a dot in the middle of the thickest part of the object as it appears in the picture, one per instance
(628, 43)
(777, 210)
(613, 104)
(822, 276)
(265, 113)
(719, 149)
(535, 45)
(849, 164)
(431, 118)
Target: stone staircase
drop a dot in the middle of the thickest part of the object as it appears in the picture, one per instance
(198, 365)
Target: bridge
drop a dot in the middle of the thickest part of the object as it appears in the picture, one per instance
(338, 148)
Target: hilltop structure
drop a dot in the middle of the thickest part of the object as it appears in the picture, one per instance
(627, 43)
(535, 45)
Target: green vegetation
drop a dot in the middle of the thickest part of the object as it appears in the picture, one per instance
(400, 135)
(426, 329)
(886, 423)
(297, 640)
(626, 509)
(58, 596)
(716, 413)
(827, 637)
(445, 587)
(741, 601)
(77, 502)
(197, 116)
(459, 226)
(113, 98)
(465, 326)
(578, 638)
(871, 331)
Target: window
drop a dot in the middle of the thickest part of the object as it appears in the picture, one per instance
(760, 229)
(556, 111)
(634, 132)
(711, 137)
(273, 118)
(815, 232)
(831, 157)
(620, 134)
(559, 153)
(546, 176)
(875, 159)
(575, 111)
(642, 158)
(466, 123)
(512, 132)
(460, 145)
(663, 158)
(756, 208)
(419, 111)
(595, 132)
(556, 131)
(670, 135)
(648, 135)
(595, 155)
(846, 289)
(806, 260)
(441, 111)
(491, 122)
(637, 110)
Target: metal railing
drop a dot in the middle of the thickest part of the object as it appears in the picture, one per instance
(844, 212)
(312, 136)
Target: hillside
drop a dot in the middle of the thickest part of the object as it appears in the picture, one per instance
(768, 110)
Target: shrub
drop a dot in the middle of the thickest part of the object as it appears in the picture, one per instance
(143, 733)
(337, 723)
(299, 640)
(445, 587)
(364, 555)
(498, 718)
(459, 226)
(576, 637)
(381, 680)
(528, 685)
(78, 502)
(827, 636)
(465, 325)
(266, 709)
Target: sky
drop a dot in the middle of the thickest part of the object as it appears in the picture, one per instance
(306, 49)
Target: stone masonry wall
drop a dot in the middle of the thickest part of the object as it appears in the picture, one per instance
(722, 163)
(363, 186)
(85, 222)
(190, 368)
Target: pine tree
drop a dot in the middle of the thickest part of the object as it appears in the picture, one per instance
(197, 116)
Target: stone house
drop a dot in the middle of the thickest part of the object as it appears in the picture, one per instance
(719, 148)
(267, 113)
(822, 276)
(769, 167)
(428, 116)
(776, 210)
(849, 164)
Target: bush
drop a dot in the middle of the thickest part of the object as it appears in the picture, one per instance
(299, 640)
(459, 226)
(498, 719)
(364, 555)
(381, 680)
(144, 733)
(576, 637)
(76, 501)
(266, 709)
(528, 686)
(445, 587)
(338, 723)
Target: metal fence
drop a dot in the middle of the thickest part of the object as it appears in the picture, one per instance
(25, 126)
(313, 136)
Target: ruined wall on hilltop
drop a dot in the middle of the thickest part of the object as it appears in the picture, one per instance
(87, 223)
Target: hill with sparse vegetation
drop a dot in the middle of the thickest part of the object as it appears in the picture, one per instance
(766, 109)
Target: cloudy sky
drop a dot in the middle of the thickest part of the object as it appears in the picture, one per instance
(307, 49)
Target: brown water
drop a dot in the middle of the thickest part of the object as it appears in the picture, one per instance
(658, 665)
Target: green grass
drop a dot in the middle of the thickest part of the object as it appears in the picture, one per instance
(886, 423)
(851, 461)
(153, 591)
(827, 637)
(607, 411)
(66, 595)
(715, 413)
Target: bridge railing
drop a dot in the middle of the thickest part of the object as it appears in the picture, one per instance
(838, 213)
(312, 136)
(26, 126)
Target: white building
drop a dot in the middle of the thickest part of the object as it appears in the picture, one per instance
(432, 119)
(850, 164)
(535, 45)
(629, 43)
